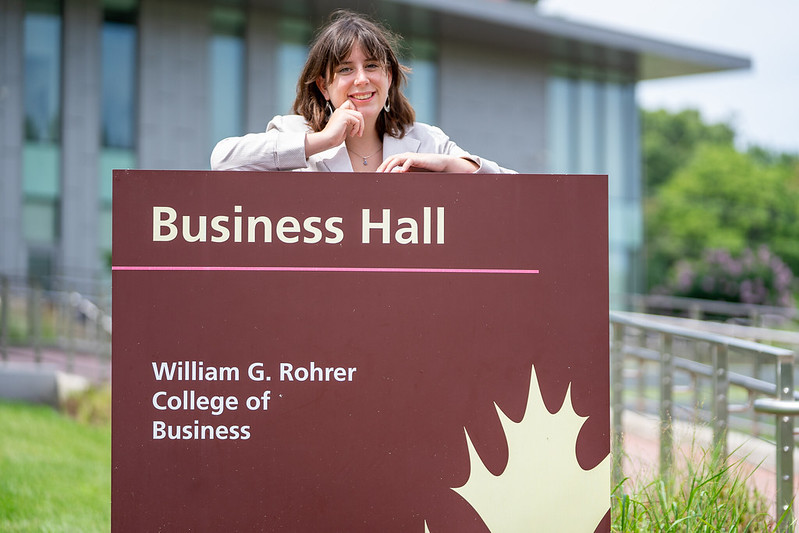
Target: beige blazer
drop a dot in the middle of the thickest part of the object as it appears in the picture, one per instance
(282, 147)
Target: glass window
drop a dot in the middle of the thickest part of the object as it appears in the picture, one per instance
(41, 266)
(293, 51)
(589, 116)
(41, 182)
(614, 137)
(633, 187)
(422, 89)
(227, 73)
(592, 130)
(42, 72)
(40, 221)
(118, 103)
(418, 50)
(559, 120)
(118, 78)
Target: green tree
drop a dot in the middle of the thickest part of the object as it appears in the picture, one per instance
(670, 139)
(721, 198)
(768, 157)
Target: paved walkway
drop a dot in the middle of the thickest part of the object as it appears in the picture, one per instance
(95, 368)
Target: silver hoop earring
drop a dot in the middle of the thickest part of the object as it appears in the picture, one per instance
(387, 107)
(328, 109)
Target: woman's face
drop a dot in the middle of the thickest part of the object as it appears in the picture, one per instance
(362, 80)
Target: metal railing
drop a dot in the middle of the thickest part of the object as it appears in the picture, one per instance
(701, 355)
(699, 309)
(35, 322)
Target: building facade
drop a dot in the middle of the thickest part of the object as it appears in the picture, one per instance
(87, 86)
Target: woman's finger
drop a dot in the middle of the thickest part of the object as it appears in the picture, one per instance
(354, 120)
(388, 164)
(383, 167)
(356, 127)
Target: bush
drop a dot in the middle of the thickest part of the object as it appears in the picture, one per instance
(759, 278)
(90, 407)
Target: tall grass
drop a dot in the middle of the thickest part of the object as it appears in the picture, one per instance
(707, 492)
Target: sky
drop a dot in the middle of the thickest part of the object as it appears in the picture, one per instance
(762, 103)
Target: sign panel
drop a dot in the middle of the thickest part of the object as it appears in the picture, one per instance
(359, 352)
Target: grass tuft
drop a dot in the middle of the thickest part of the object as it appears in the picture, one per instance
(709, 492)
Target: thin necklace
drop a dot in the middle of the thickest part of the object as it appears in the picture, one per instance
(365, 157)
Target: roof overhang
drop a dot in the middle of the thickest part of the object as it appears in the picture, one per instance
(522, 27)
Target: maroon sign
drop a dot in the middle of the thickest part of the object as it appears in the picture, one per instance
(309, 352)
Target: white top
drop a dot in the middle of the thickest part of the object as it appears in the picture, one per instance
(282, 147)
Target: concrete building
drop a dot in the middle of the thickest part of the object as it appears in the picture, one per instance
(91, 85)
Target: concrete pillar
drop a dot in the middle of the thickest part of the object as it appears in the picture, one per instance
(174, 112)
(13, 254)
(79, 246)
(262, 42)
(515, 80)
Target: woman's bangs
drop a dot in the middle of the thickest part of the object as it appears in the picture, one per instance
(373, 47)
(368, 41)
(341, 50)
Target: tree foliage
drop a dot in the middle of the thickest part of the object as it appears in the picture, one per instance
(706, 194)
(670, 139)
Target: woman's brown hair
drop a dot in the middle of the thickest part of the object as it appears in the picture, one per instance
(331, 47)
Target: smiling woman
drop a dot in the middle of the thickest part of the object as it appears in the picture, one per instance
(350, 115)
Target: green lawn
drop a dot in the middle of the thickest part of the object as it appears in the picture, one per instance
(55, 473)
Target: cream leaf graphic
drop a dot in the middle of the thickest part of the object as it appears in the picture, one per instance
(543, 487)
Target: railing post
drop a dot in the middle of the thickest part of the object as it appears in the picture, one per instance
(35, 316)
(4, 317)
(721, 389)
(756, 372)
(695, 385)
(755, 318)
(69, 321)
(617, 400)
(666, 403)
(99, 334)
(58, 316)
(641, 381)
(785, 446)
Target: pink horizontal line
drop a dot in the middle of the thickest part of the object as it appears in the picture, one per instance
(328, 269)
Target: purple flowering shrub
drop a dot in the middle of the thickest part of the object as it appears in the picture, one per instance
(753, 277)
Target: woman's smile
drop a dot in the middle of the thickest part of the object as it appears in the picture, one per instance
(363, 97)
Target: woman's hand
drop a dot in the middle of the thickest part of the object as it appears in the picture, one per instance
(346, 121)
(410, 162)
